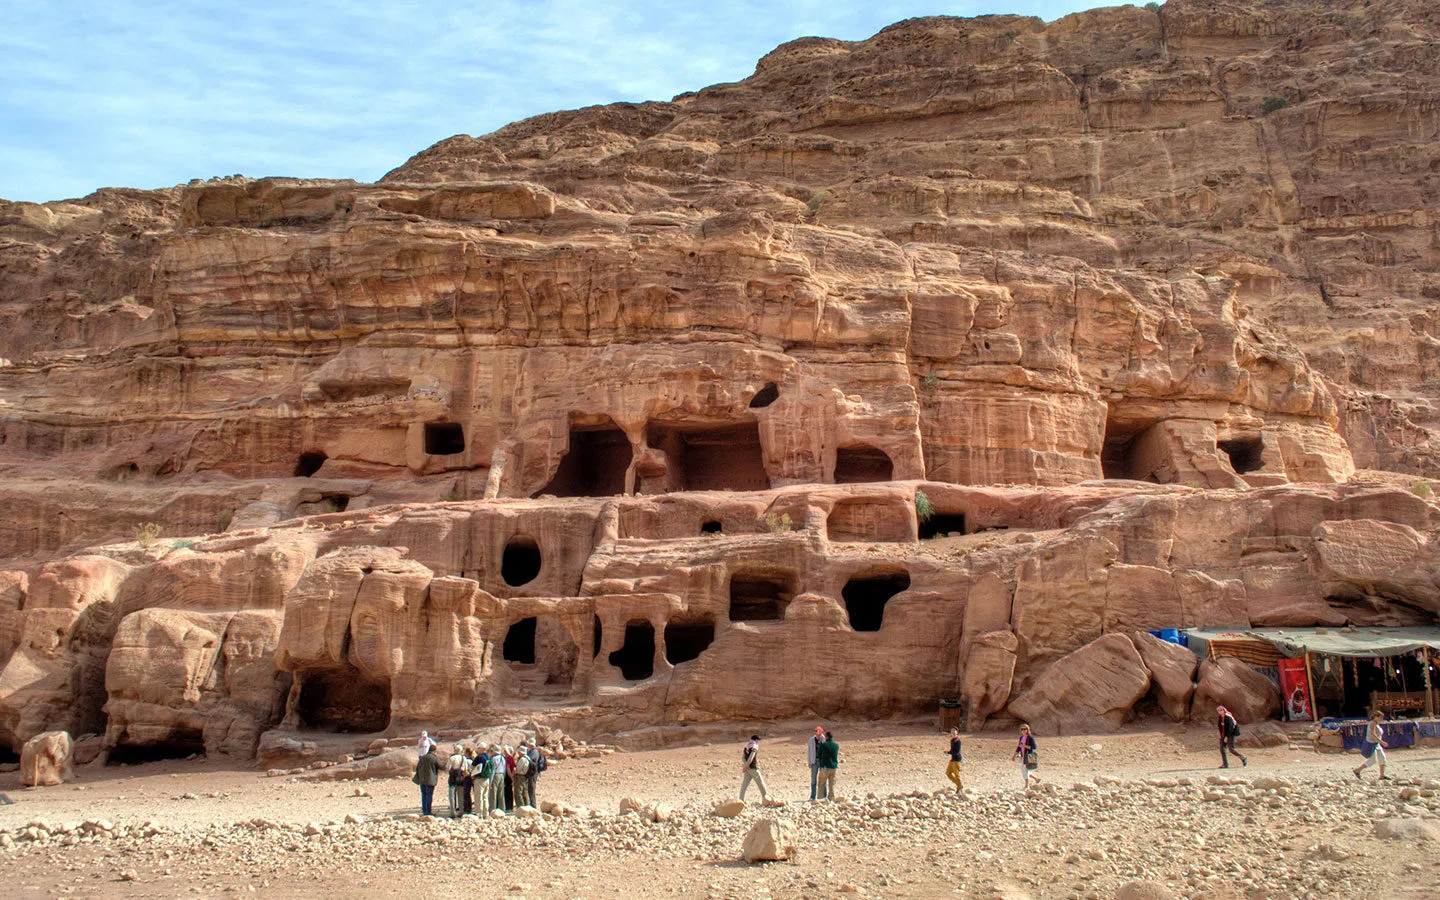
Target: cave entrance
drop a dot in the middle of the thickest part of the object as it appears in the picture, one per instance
(7, 755)
(521, 561)
(765, 396)
(519, 646)
(687, 639)
(175, 747)
(865, 598)
(310, 463)
(636, 657)
(340, 700)
(597, 636)
(862, 463)
(595, 463)
(444, 438)
(942, 523)
(1246, 454)
(1136, 450)
(759, 598)
(711, 526)
(726, 458)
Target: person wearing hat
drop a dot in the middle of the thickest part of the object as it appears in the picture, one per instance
(750, 767)
(1374, 747)
(812, 748)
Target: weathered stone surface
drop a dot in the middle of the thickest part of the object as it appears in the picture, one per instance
(46, 759)
(989, 674)
(729, 809)
(1236, 686)
(1091, 689)
(770, 840)
(1172, 673)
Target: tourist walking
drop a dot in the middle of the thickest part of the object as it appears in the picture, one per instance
(1029, 757)
(1374, 747)
(1229, 730)
(522, 777)
(828, 755)
(427, 772)
(952, 770)
(750, 768)
(811, 746)
(457, 770)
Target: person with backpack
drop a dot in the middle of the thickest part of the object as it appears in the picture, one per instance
(457, 769)
(480, 771)
(750, 768)
(498, 778)
(538, 764)
(427, 773)
(1029, 757)
(1374, 747)
(521, 778)
(1229, 731)
(811, 748)
(952, 771)
(828, 757)
(509, 757)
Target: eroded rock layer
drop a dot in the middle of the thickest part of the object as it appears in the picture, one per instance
(730, 342)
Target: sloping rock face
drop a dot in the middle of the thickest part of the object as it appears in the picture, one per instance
(651, 412)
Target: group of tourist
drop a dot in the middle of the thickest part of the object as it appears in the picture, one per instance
(481, 780)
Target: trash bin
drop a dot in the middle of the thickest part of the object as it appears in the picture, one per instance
(949, 713)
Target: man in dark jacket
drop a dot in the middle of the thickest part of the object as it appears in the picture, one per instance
(427, 772)
(827, 758)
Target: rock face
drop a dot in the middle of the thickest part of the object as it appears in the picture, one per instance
(1172, 673)
(1232, 684)
(47, 759)
(938, 363)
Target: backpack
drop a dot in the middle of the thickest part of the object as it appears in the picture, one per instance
(1232, 727)
(487, 769)
(522, 764)
(541, 763)
(457, 777)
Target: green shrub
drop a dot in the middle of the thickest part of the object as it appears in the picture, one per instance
(1273, 103)
(225, 519)
(778, 523)
(930, 383)
(1422, 489)
(924, 509)
(1153, 6)
(147, 534)
(817, 200)
(452, 497)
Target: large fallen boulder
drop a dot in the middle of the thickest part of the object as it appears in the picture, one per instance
(47, 759)
(770, 840)
(1172, 673)
(390, 764)
(989, 675)
(1091, 689)
(1235, 685)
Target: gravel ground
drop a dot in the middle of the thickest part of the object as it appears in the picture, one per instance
(1144, 805)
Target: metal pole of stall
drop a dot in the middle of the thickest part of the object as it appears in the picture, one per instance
(1429, 694)
(1310, 685)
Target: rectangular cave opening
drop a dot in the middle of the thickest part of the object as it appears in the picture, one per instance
(341, 700)
(1247, 454)
(519, 645)
(723, 458)
(862, 463)
(760, 597)
(595, 463)
(686, 639)
(869, 520)
(597, 634)
(1136, 450)
(444, 438)
(177, 746)
(865, 598)
(636, 657)
(942, 523)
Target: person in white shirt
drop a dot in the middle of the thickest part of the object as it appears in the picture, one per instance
(459, 769)
(1374, 747)
(811, 746)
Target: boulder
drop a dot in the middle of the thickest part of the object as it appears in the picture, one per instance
(1143, 890)
(390, 764)
(1091, 689)
(88, 749)
(1172, 673)
(1231, 683)
(1412, 830)
(989, 675)
(46, 759)
(770, 840)
(1264, 734)
(279, 750)
(729, 809)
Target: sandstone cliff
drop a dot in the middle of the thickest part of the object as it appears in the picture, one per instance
(1192, 246)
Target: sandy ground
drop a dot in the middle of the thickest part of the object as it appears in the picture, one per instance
(1312, 838)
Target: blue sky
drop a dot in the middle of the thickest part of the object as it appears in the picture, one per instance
(150, 93)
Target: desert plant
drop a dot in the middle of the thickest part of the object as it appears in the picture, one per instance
(1153, 7)
(1422, 489)
(226, 518)
(1273, 103)
(924, 509)
(817, 200)
(778, 523)
(147, 534)
(452, 497)
(930, 383)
